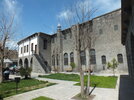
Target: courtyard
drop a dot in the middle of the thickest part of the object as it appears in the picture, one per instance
(66, 88)
(66, 50)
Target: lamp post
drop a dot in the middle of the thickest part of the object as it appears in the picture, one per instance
(17, 80)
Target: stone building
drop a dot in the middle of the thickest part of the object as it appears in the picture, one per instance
(128, 32)
(45, 52)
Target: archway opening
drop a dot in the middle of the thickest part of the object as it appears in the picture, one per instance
(26, 63)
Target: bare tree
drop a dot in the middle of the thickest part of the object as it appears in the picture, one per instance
(84, 38)
(6, 32)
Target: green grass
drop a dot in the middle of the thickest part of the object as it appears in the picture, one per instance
(8, 88)
(101, 81)
(42, 98)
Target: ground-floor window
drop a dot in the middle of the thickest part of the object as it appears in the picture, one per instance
(65, 59)
(92, 56)
(71, 57)
(103, 58)
(83, 57)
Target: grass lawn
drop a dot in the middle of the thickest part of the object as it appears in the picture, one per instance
(42, 98)
(101, 81)
(8, 88)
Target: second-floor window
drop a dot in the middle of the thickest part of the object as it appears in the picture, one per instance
(100, 31)
(115, 27)
(35, 48)
(24, 49)
(52, 40)
(21, 50)
(27, 48)
(65, 36)
(32, 47)
(45, 44)
(120, 58)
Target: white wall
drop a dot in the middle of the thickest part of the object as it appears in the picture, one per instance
(25, 43)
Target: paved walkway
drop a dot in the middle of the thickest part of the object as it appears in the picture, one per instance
(65, 90)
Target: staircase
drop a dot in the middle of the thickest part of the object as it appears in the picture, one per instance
(42, 62)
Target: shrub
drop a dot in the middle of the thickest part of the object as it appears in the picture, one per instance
(72, 64)
(25, 72)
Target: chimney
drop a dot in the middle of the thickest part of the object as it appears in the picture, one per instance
(58, 27)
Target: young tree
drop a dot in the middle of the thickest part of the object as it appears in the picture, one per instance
(84, 37)
(113, 64)
(6, 31)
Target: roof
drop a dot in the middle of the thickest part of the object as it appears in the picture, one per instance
(35, 34)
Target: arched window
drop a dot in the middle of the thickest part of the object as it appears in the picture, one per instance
(65, 59)
(71, 57)
(53, 60)
(83, 58)
(57, 59)
(92, 56)
(103, 58)
(120, 58)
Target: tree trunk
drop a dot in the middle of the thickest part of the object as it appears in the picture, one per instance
(88, 83)
(1, 75)
(2, 59)
(1, 68)
(81, 74)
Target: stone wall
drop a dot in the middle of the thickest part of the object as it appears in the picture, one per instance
(108, 40)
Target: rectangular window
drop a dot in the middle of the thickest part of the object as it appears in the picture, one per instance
(52, 40)
(115, 27)
(120, 58)
(21, 50)
(32, 47)
(35, 48)
(100, 31)
(70, 34)
(24, 49)
(65, 36)
(45, 44)
(27, 48)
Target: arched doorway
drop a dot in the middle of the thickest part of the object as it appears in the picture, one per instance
(31, 62)
(26, 63)
(20, 63)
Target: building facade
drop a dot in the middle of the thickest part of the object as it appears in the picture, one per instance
(128, 32)
(45, 52)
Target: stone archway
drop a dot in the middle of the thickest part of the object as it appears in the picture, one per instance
(20, 63)
(26, 63)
